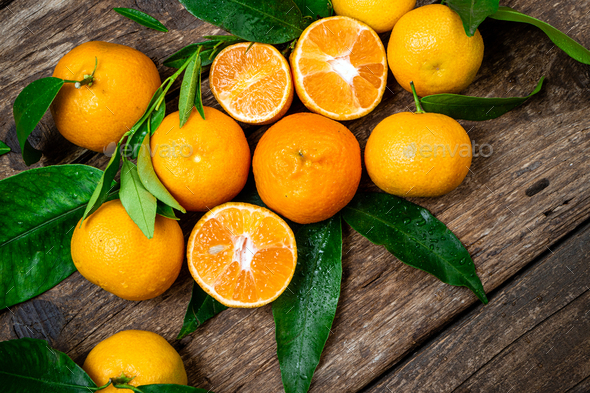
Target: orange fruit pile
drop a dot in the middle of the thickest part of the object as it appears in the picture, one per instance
(252, 82)
(124, 82)
(339, 68)
(242, 255)
(307, 167)
(203, 164)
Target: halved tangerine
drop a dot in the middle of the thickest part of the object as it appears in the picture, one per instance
(339, 68)
(242, 255)
(252, 82)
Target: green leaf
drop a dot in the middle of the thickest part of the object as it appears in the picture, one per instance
(198, 97)
(165, 211)
(305, 311)
(211, 47)
(105, 184)
(39, 209)
(474, 108)
(415, 237)
(170, 388)
(150, 180)
(141, 18)
(188, 89)
(567, 44)
(4, 148)
(29, 365)
(154, 121)
(266, 21)
(28, 109)
(201, 308)
(473, 12)
(315, 8)
(138, 202)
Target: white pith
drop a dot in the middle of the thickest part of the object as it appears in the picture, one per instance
(343, 67)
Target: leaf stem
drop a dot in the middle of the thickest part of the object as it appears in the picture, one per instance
(416, 99)
(87, 80)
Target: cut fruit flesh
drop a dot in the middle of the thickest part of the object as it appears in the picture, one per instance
(339, 68)
(252, 83)
(242, 255)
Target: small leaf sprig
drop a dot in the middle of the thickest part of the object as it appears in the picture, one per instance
(474, 108)
(474, 12)
(140, 187)
(32, 103)
(4, 148)
(210, 48)
(142, 18)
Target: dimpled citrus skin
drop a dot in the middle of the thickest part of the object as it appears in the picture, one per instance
(409, 154)
(110, 251)
(307, 167)
(144, 355)
(124, 82)
(380, 15)
(212, 158)
(429, 46)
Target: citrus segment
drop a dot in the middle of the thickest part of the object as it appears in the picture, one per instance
(242, 255)
(339, 68)
(252, 83)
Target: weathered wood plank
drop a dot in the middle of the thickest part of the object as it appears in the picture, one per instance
(530, 304)
(386, 307)
(551, 358)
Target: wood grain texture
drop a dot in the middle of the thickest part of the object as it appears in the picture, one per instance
(531, 314)
(386, 308)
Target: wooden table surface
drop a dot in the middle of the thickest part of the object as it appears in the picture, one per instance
(522, 212)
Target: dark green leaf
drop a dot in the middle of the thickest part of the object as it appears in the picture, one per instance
(225, 38)
(214, 45)
(266, 21)
(28, 109)
(138, 202)
(29, 365)
(39, 209)
(165, 211)
(141, 18)
(201, 308)
(170, 388)
(415, 237)
(473, 12)
(315, 8)
(154, 121)
(4, 148)
(150, 180)
(188, 88)
(473, 108)
(105, 184)
(198, 98)
(567, 44)
(305, 311)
